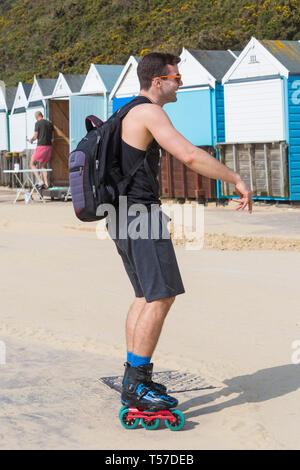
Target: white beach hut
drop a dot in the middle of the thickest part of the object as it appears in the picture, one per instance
(94, 99)
(100, 81)
(7, 97)
(262, 119)
(17, 118)
(127, 85)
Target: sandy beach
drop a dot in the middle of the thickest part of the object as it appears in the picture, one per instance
(64, 296)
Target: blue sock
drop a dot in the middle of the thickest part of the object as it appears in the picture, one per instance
(137, 361)
(129, 356)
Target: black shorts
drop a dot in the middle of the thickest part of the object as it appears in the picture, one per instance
(149, 259)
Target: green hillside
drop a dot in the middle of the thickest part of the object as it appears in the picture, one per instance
(44, 37)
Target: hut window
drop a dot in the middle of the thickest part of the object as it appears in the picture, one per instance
(253, 59)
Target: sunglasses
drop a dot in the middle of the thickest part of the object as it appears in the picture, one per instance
(177, 77)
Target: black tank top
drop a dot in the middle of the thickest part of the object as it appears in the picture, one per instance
(140, 190)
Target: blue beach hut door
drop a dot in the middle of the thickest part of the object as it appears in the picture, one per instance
(80, 107)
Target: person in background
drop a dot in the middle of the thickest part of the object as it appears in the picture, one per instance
(44, 133)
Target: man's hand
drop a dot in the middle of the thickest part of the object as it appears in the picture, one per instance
(245, 194)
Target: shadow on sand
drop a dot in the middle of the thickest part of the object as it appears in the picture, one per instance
(261, 386)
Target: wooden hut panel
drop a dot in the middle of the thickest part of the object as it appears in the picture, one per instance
(59, 115)
(178, 181)
(260, 169)
(263, 166)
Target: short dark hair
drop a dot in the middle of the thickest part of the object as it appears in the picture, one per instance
(153, 65)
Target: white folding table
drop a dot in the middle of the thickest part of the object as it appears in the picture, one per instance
(28, 174)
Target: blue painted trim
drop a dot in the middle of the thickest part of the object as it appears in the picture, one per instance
(119, 102)
(47, 107)
(220, 113)
(213, 126)
(293, 94)
(218, 182)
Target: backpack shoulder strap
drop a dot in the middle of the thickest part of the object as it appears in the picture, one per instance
(122, 113)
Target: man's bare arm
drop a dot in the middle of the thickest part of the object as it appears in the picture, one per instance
(160, 126)
(35, 136)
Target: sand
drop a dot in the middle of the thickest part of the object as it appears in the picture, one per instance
(64, 297)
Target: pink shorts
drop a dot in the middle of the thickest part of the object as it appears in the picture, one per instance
(42, 153)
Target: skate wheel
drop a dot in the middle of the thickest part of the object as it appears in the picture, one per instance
(179, 421)
(122, 409)
(128, 424)
(152, 424)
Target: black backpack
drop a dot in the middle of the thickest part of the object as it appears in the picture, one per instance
(94, 168)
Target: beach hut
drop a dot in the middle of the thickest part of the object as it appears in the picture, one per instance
(94, 99)
(17, 118)
(127, 85)
(38, 100)
(7, 96)
(61, 114)
(262, 119)
(198, 113)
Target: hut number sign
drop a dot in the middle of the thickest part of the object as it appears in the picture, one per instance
(296, 94)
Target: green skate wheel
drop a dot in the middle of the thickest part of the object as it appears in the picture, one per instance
(122, 409)
(179, 421)
(128, 424)
(152, 424)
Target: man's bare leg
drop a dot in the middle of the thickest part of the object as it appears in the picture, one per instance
(143, 327)
(148, 326)
(44, 173)
(33, 166)
(132, 317)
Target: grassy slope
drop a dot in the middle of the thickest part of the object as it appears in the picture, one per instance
(44, 37)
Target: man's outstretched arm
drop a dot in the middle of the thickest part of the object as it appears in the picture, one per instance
(198, 160)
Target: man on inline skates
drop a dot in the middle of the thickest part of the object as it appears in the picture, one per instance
(151, 262)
